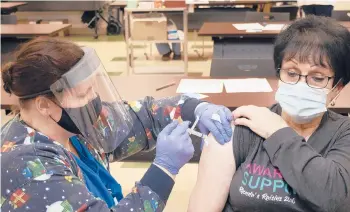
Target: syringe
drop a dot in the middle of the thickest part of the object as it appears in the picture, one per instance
(198, 134)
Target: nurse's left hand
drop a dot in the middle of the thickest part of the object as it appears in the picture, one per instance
(215, 119)
(259, 119)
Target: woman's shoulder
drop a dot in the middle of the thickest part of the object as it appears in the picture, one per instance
(28, 156)
(32, 164)
(338, 121)
(16, 132)
(19, 158)
(18, 141)
(338, 117)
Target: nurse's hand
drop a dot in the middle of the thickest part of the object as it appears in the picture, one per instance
(259, 119)
(174, 147)
(215, 119)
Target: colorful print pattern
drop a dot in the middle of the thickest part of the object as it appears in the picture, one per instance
(39, 174)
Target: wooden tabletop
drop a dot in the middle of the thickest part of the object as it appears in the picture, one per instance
(213, 3)
(226, 29)
(245, 2)
(11, 5)
(165, 9)
(137, 87)
(30, 30)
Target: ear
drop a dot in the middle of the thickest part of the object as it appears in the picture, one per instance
(339, 87)
(42, 105)
(47, 107)
(333, 95)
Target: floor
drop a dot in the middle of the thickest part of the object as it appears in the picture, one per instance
(112, 52)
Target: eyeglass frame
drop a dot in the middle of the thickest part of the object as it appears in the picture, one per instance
(305, 76)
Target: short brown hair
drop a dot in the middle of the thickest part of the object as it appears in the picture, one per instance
(322, 39)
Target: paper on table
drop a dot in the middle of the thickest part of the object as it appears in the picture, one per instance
(200, 86)
(196, 95)
(253, 30)
(197, 1)
(250, 26)
(274, 27)
(247, 85)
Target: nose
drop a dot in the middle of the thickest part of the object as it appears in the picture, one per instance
(302, 79)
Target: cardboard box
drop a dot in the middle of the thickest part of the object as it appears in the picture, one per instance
(150, 26)
(175, 4)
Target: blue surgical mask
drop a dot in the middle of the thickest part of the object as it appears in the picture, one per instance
(301, 102)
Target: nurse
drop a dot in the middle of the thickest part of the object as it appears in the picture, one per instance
(55, 152)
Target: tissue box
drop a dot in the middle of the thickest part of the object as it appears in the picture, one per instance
(149, 26)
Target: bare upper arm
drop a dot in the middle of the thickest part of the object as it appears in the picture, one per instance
(216, 169)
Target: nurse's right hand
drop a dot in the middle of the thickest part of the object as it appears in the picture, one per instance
(174, 147)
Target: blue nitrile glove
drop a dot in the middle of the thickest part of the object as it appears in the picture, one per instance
(174, 147)
(207, 123)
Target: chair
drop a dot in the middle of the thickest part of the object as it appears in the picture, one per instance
(202, 15)
(243, 58)
(341, 15)
(291, 9)
(266, 17)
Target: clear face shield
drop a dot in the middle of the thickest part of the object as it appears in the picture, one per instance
(90, 99)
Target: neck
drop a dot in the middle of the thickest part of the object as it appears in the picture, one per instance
(48, 127)
(304, 130)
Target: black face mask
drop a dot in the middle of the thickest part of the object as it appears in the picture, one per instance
(81, 112)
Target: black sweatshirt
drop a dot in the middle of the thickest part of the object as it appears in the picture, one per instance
(285, 173)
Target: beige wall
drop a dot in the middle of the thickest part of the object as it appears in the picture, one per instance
(342, 5)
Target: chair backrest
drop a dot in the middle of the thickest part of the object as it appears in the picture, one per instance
(266, 17)
(341, 15)
(291, 9)
(243, 58)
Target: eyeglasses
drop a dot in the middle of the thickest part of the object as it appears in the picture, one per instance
(314, 80)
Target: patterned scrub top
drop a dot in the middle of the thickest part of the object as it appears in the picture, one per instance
(39, 174)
